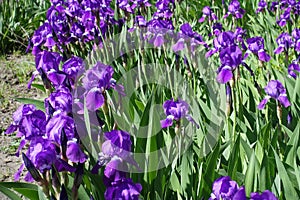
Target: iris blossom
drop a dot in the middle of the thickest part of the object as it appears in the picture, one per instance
(293, 68)
(231, 58)
(285, 42)
(296, 36)
(235, 9)
(187, 35)
(262, 5)
(96, 81)
(256, 46)
(223, 40)
(286, 16)
(275, 90)
(116, 150)
(208, 13)
(175, 110)
(265, 195)
(226, 189)
(123, 189)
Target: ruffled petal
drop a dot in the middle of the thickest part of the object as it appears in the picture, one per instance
(263, 56)
(224, 75)
(284, 101)
(167, 122)
(263, 103)
(94, 99)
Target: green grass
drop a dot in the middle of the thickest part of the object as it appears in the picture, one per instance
(12, 147)
(16, 70)
(18, 20)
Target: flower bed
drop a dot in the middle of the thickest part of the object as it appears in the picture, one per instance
(156, 100)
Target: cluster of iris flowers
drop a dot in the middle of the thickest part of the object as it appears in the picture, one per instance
(51, 138)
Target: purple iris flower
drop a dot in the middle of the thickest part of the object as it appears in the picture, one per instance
(117, 146)
(223, 40)
(89, 22)
(262, 5)
(155, 25)
(163, 9)
(207, 12)
(76, 32)
(55, 125)
(39, 37)
(292, 68)
(297, 8)
(140, 4)
(157, 29)
(47, 65)
(175, 110)
(231, 58)
(286, 3)
(296, 36)
(163, 4)
(186, 29)
(284, 41)
(31, 126)
(117, 143)
(227, 189)
(186, 34)
(50, 42)
(275, 90)
(111, 172)
(256, 46)
(96, 81)
(115, 150)
(123, 189)
(139, 22)
(74, 152)
(102, 160)
(58, 20)
(60, 100)
(239, 35)
(29, 122)
(266, 195)
(274, 6)
(41, 153)
(217, 28)
(45, 159)
(235, 9)
(124, 5)
(73, 67)
(284, 17)
(73, 9)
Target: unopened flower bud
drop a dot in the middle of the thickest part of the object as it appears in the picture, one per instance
(63, 194)
(63, 141)
(289, 118)
(32, 169)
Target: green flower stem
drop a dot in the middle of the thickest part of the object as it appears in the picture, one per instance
(233, 83)
(105, 109)
(45, 184)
